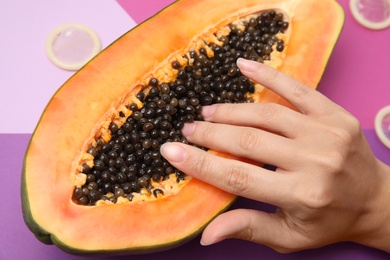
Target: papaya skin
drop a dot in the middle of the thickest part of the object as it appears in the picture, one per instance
(93, 95)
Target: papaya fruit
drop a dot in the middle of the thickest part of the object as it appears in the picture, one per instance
(93, 179)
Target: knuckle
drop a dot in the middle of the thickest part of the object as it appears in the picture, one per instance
(206, 133)
(273, 75)
(329, 162)
(315, 197)
(245, 234)
(248, 140)
(267, 112)
(237, 180)
(314, 192)
(340, 145)
(333, 159)
(340, 136)
(201, 165)
(228, 112)
(334, 163)
(300, 89)
(353, 126)
(345, 133)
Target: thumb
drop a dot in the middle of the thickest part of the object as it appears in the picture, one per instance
(256, 226)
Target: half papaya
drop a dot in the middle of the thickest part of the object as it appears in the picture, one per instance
(93, 179)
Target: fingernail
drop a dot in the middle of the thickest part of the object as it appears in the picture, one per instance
(248, 65)
(203, 243)
(188, 129)
(173, 152)
(208, 111)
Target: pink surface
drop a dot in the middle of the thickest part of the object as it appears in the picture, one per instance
(358, 73)
(27, 78)
(142, 11)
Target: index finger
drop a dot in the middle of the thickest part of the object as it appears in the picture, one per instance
(304, 98)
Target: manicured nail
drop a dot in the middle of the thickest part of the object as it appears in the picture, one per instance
(208, 111)
(173, 152)
(188, 129)
(248, 65)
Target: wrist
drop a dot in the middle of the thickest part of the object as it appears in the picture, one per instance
(374, 227)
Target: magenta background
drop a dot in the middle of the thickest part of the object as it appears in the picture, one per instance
(357, 78)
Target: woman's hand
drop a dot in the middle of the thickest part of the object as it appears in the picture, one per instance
(328, 186)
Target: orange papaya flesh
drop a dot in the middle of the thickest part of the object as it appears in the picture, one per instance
(92, 106)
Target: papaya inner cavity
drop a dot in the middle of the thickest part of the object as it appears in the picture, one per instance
(123, 162)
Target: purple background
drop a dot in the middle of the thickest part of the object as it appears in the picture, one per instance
(357, 78)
